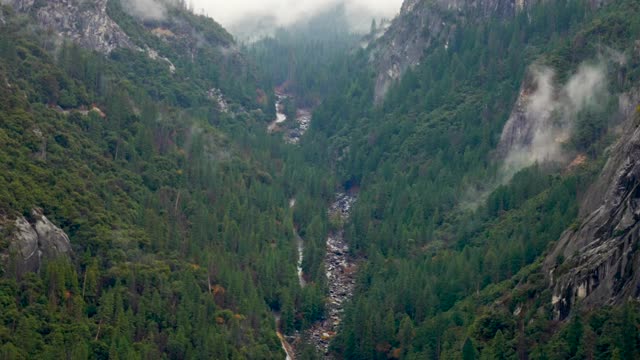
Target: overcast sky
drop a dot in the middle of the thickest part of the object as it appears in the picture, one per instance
(287, 11)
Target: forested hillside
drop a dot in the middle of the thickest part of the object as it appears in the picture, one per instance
(307, 58)
(173, 197)
(436, 218)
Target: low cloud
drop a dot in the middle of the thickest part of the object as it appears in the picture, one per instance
(288, 12)
(145, 9)
(259, 18)
(548, 115)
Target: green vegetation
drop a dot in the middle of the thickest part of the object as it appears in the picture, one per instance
(423, 161)
(177, 211)
(309, 58)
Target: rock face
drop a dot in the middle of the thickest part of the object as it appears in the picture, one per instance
(598, 262)
(539, 124)
(84, 22)
(33, 241)
(423, 24)
(519, 129)
(545, 114)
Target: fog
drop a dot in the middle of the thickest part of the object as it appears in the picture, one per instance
(544, 121)
(287, 12)
(145, 9)
(552, 110)
(252, 19)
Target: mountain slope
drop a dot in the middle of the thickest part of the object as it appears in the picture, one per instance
(423, 26)
(175, 213)
(439, 217)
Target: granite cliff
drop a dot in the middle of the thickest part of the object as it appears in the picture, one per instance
(31, 241)
(596, 262)
(86, 23)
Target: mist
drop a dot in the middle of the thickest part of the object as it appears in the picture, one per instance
(251, 20)
(552, 110)
(145, 9)
(287, 12)
(543, 122)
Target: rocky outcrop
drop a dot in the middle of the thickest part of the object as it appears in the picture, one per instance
(84, 22)
(423, 24)
(217, 96)
(519, 130)
(302, 125)
(179, 31)
(598, 262)
(404, 43)
(545, 115)
(33, 241)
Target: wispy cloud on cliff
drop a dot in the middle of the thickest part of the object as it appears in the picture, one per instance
(548, 114)
(145, 9)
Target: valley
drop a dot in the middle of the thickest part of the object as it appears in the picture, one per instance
(340, 271)
(452, 179)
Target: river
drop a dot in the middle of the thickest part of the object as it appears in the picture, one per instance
(280, 115)
(293, 132)
(340, 266)
(286, 346)
(288, 349)
(340, 270)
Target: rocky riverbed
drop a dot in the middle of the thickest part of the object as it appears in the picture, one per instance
(303, 122)
(340, 269)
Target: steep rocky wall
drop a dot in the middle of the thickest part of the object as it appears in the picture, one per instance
(85, 22)
(403, 44)
(31, 242)
(519, 129)
(597, 262)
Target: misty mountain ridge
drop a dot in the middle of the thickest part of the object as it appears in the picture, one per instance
(336, 20)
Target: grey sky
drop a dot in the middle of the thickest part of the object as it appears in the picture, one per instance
(287, 11)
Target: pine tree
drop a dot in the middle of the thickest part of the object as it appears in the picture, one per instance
(468, 350)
